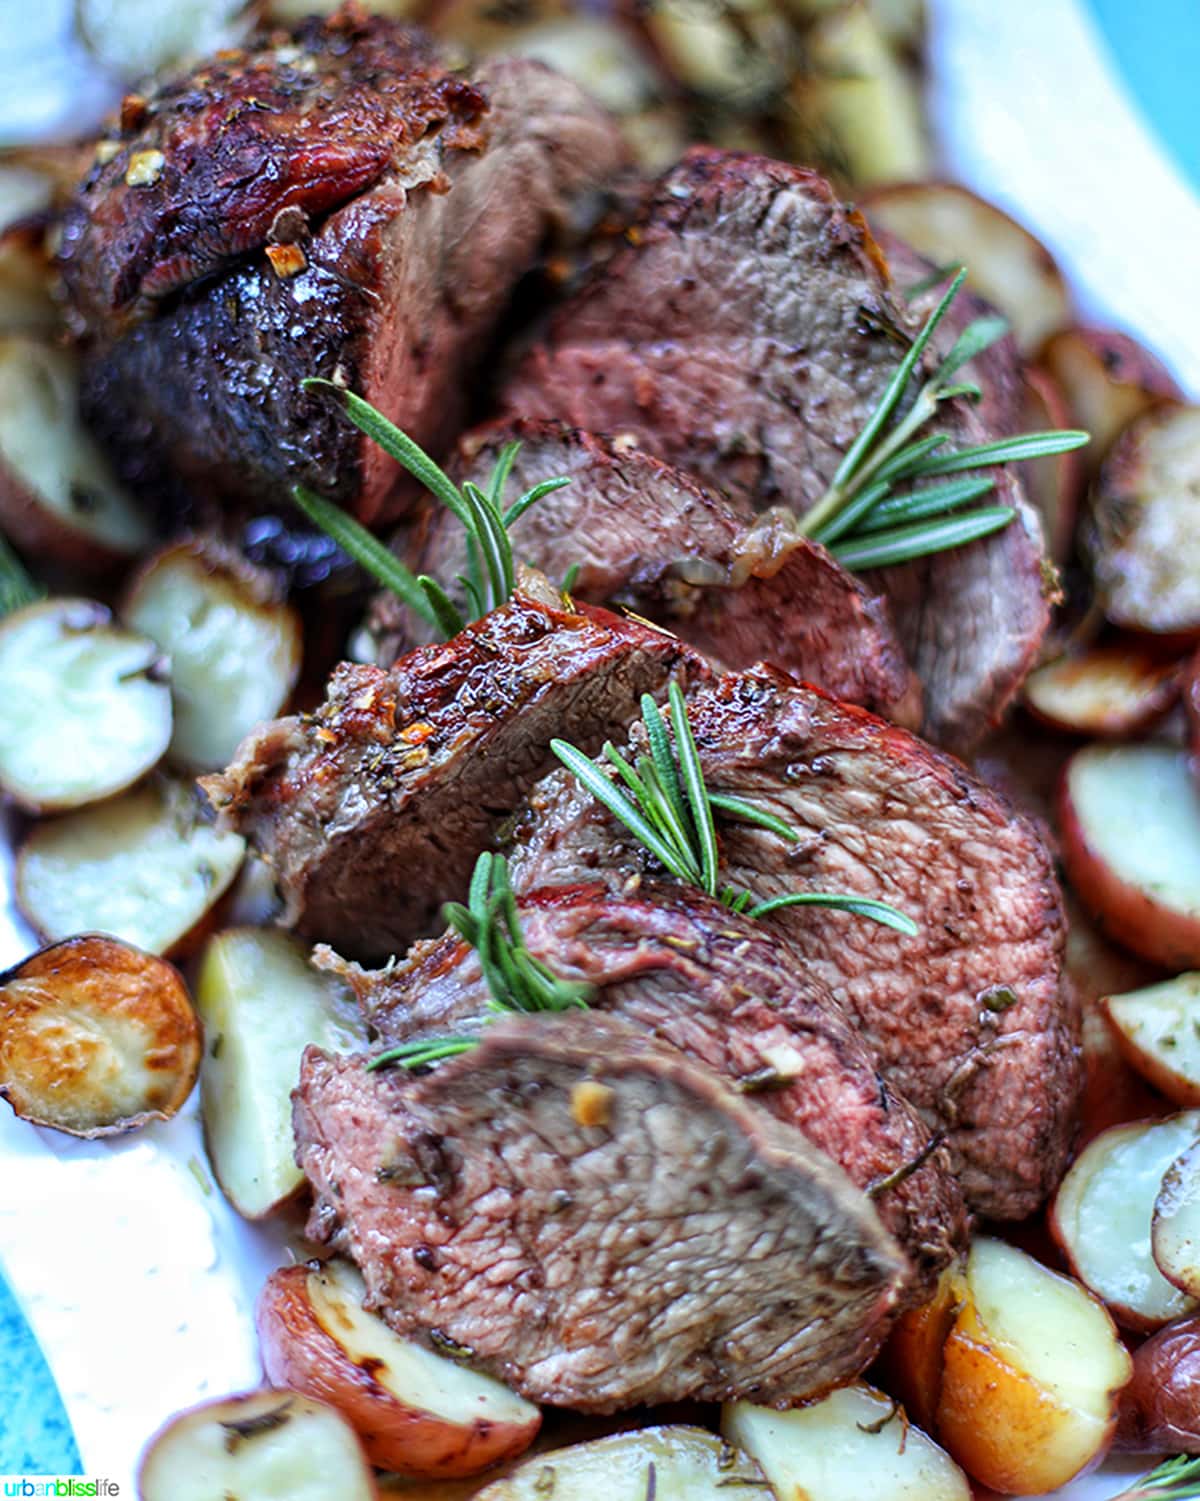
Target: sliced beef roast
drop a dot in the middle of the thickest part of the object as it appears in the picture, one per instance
(967, 1019)
(723, 990)
(649, 538)
(595, 1219)
(371, 811)
(745, 334)
(335, 203)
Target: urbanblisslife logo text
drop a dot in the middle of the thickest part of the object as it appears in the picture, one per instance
(58, 1485)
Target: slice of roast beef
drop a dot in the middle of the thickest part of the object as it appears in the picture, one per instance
(722, 989)
(371, 811)
(650, 539)
(333, 203)
(595, 1219)
(745, 334)
(967, 1019)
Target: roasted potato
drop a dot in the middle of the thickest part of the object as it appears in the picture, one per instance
(852, 1444)
(1005, 264)
(731, 56)
(141, 866)
(1052, 483)
(89, 705)
(261, 1446)
(1158, 1030)
(910, 1363)
(58, 498)
(233, 644)
(1033, 1368)
(1102, 1215)
(416, 1411)
(262, 1004)
(1175, 1231)
(96, 1037)
(1111, 691)
(1160, 1408)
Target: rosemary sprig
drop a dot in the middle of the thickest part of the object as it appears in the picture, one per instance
(862, 500)
(491, 572)
(666, 805)
(1176, 1479)
(17, 589)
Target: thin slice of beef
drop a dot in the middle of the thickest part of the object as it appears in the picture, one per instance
(745, 334)
(649, 538)
(967, 1019)
(371, 811)
(681, 1245)
(722, 989)
(337, 203)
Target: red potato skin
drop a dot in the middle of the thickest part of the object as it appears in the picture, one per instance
(1158, 696)
(1191, 706)
(1160, 1408)
(40, 533)
(1055, 484)
(299, 1353)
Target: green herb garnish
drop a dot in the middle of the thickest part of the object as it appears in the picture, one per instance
(667, 807)
(491, 572)
(1176, 1479)
(17, 589)
(864, 520)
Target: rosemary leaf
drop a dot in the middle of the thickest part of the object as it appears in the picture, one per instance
(861, 906)
(744, 812)
(935, 278)
(487, 528)
(449, 620)
(908, 460)
(697, 793)
(17, 589)
(423, 1052)
(853, 514)
(902, 544)
(502, 471)
(664, 758)
(531, 497)
(1006, 450)
(611, 797)
(934, 501)
(571, 577)
(974, 339)
(1176, 1479)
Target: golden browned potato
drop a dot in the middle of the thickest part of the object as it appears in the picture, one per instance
(1053, 483)
(1111, 691)
(910, 1363)
(96, 1037)
(1158, 1031)
(1160, 1408)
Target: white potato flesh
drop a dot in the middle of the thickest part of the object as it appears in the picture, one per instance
(134, 38)
(855, 1443)
(715, 53)
(142, 867)
(88, 709)
(1175, 1238)
(1110, 691)
(235, 651)
(1158, 1029)
(25, 302)
(265, 1446)
(262, 1003)
(1103, 1213)
(599, 55)
(669, 1464)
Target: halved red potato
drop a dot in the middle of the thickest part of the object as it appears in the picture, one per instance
(1110, 691)
(1141, 531)
(910, 1363)
(1160, 1408)
(260, 1446)
(143, 867)
(58, 498)
(1033, 1369)
(951, 226)
(415, 1410)
(1158, 1030)
(1052, 483)
(234, 644)
(852, 1444)
(96, 1037)
(1129, 822)
(89, 705)
(1102, 1214)
(1175, 1232)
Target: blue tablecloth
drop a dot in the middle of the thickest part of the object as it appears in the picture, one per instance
(35, 1436)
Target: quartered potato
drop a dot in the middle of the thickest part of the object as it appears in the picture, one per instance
(143, 867)
(87, 705)
(1052, 482)
(1141, 533)
(667, 1464)
(951, 226)
(1102, 1215)
(416, 1411)
(1110, 691)
(262, 1004)
(1033, 1368)
(96, 1037)
(58, 498)
(1160, 1408)
(853, 1444)
(1158, 1031)
(134, 38)
(910, 1363)
(234, 645)
(263, 1446)
(1175, 1233)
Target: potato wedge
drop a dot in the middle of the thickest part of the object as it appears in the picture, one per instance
(134, 38)
(1158, 1030)
(910, 1363)
(58, 498)
(416, 1411)
(1129, 822)
(1160, 1408)
(1052, 483)
(89, 705)
(1033, 1368)
(96, 1037)
(669, 1464)
(852, 1444)
(1141, 532)
(1175, 1230)
(143, 867)
(262, 1004)
(1111, 692)
(234, 645)
(1101, 1218)
(260, 1446)
(951, 226)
